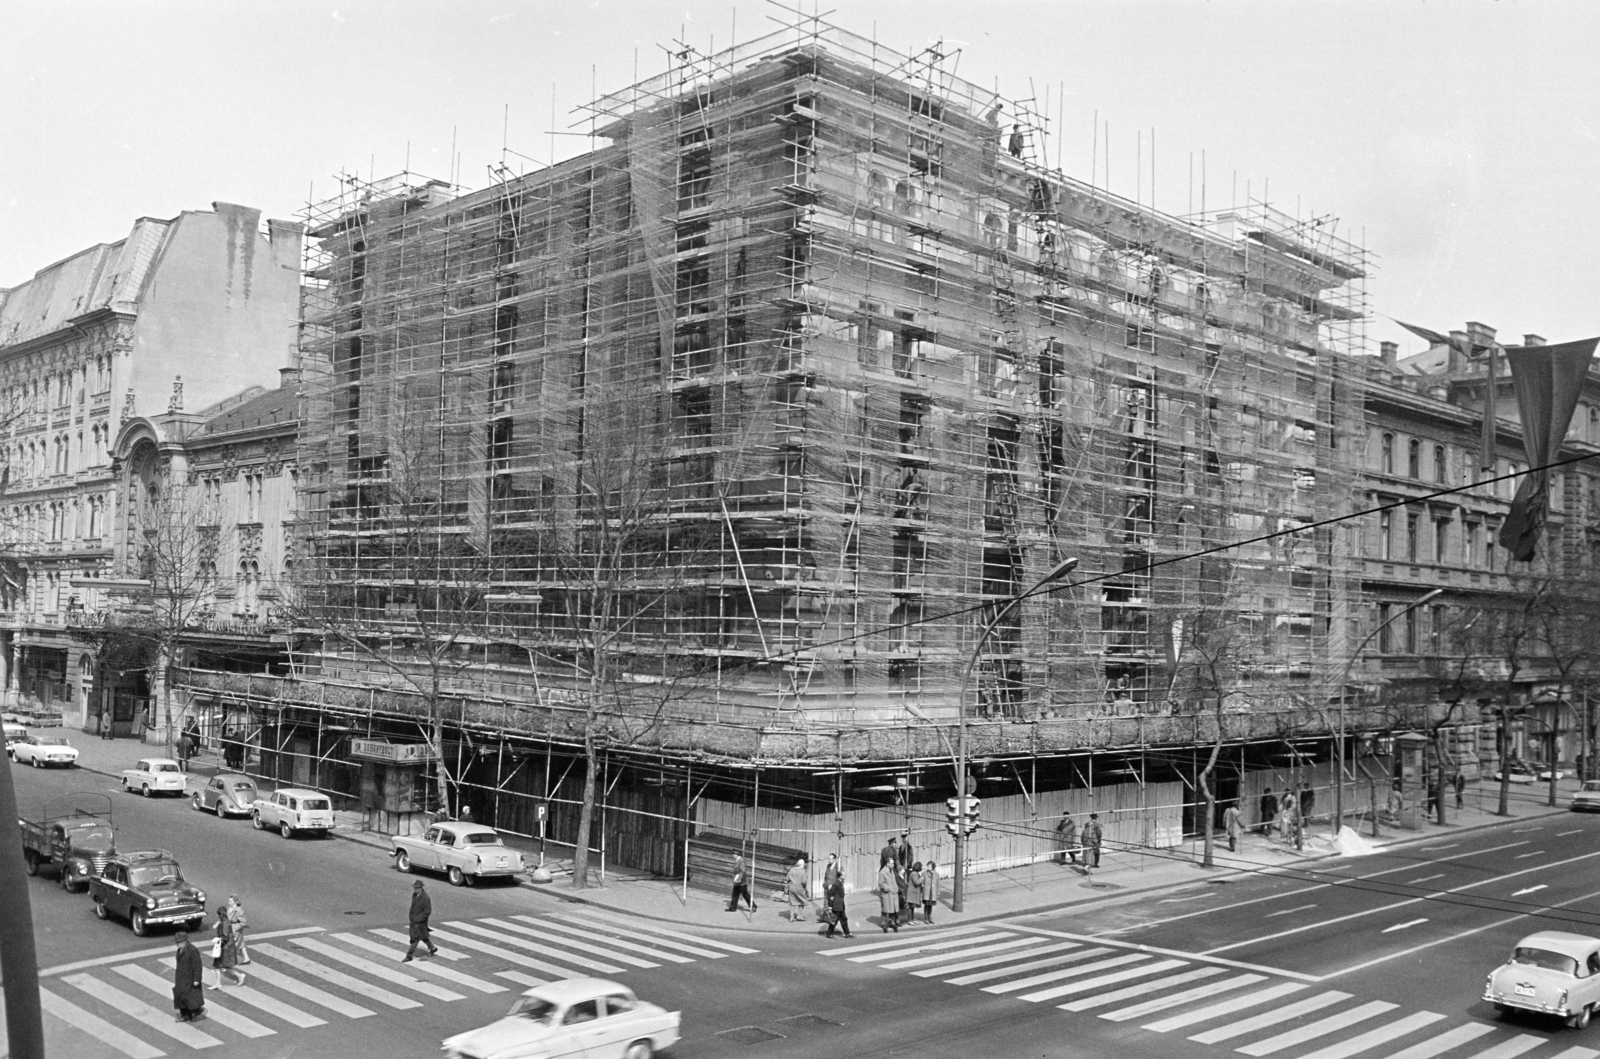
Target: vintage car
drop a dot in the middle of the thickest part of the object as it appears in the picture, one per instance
(1551, 973)
(1587, 800)
(1519, 773)
(227, 793)
(589, 1018)
(42, 751)
(155, 775)
(14, 733)
(146, 888)
(464, 852)
(74, 835)
(291, 810)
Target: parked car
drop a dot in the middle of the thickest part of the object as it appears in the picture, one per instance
(14, 733)
(155, 775)
(1519, 774)
(43, 751)
(589, 1018)
(464, 852)
(1551, 973)
(1587, 800)
(146, 887)
(1544, 774)
(74, 835)
(227, 793)
(291, 810)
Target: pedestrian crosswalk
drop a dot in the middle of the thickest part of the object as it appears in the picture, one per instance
(1246, 1010)
(312, 978)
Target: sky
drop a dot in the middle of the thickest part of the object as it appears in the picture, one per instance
(1458, 142)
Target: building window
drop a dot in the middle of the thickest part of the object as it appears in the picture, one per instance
(1386, 455)
(1473, 543)
(1436, 630)
(1489, 530)
(1386, 535)
(1441, 539)
(1414, 458)
(249, 587)
(1385, 615)
(1409, 624)
(1413, 531)
(1441, 471)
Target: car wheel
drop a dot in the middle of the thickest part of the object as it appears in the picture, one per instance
(221, 813)
(284, 829)
(194, 800)
(100, 910)
(31, 859)
(1581, 1019)
(68, 883)
(144, 789)
(637, 1050)
(137, 921)
(402, 862)
(457, 876)
(255, 822)
(124, 785)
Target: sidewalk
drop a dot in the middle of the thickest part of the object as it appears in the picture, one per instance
(1039, 887)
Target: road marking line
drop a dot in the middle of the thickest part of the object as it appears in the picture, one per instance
(1224, 1007)
(1320, 1028)
(292, 1015)
(1425, 878)
(1402, 926)
(1523, 1042)
(509, 956)
(97, 1027)
(631, 926)
(582, 946)
(1564, 834)
(1525, 856)
(1289, 911)
(1150, 1007)
(1032, 965)
(1532, 890)
(548, 923)
(990, 961)
(295, 987)
(126, 957)
(1142, 989)
(982, 950)
(128, 1004)
(908, 949)
(1070, 972)
(1444, 1042)
(395, 935)
(931, 935)
(1429, 849)
(426, 966)
(384, 974)
(239, 1024)
(520, 978)
(1155, 950)
(1271, 1018)
(1392, 1031)
(1525, 830)
(1159, 967)
(1179, 900)
(338, 978)
(533, 946)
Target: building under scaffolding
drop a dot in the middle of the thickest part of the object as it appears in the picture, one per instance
(836, 366)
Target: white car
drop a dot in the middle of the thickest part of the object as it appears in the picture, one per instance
(579, 1018)
(291, 810)
(43, 750)
(464, 852)
(14, 734)
(1588, 799)
(155, 775)
(1519, 774)
(1551, 973)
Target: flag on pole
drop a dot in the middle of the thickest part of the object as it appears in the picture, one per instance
(1548, 381)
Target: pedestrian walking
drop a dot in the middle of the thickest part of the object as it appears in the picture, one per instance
(183, 751)
(888, 891)
(225, 951)
(797, 888)
(831, 872)
(1092, 834)
(1066, 839)
(1233, 824)
(241, 923)
(421, 910)
(833, 894)
(105, 732)
(930, 890)
(913, 891)
(1269, 809)
(741, 885)
(1460, 784)
(188, 981)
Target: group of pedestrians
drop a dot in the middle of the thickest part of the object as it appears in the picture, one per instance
(1070, 841)
(228, 951)
(903, 883)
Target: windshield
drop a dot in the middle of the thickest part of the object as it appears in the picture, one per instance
(150, 875)
(54, 740)
(484, 838)
(165, 767)
(245, 788)
(1550, 961)
(313, 803)
(1591, 785)
(534, 1008)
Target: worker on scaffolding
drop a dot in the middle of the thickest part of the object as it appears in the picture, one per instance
(1015, 144)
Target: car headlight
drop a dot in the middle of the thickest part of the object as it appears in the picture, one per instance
(81, 868)
(200, 897)
(1561, 1002)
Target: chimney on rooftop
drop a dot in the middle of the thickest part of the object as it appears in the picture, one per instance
(1533, 340)
(1389, 352)
(288, 377)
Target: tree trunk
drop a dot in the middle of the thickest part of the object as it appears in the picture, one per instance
(1553, 761)
(1505, 771)
(163, 711)
(580, 853)
(1439, 756)
(1207, 828)
(440, 772)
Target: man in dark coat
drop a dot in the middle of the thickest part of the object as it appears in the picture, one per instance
(889, 854)
(1091, 841)
(188, 995)
(1269, 808)
(421, 909)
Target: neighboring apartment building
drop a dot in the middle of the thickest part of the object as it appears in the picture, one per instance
(205, 302)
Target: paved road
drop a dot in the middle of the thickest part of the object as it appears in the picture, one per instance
(1381, 957)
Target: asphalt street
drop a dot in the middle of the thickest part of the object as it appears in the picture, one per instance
(1382, 956)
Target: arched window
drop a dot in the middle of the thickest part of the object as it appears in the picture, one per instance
(1440, 469)
(1386, 456)
(249, 587)
(1414, 458)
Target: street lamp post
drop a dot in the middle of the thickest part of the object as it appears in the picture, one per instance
(958, 895)
(1338, 787)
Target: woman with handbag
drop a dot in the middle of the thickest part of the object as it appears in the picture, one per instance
(225, 950)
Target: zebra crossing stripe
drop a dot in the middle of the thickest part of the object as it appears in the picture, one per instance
(1443, 1042)
(128, 1004)
(295, 987)
(257, 999)
(1224, 1007)
(1271, 1018)
(441, 952)
(695, 950)
(609, 954)
(632, 927)
(338, 978)
(421, 966)
(387, 974)
(507, 955)
(1320, 1028)
(1070, 972)
(1089, 984)
(944, 932)
(1523, 1042)
(1577, 1052)
(550, 923)
(912, 949)
(222, 1016)
(533, 946)
(981, 950)
(990, 961)
(1200, 992)
(1372, 1038)
(97, 1027)
(1030, 965)
(1142, 989)
(520, 978)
